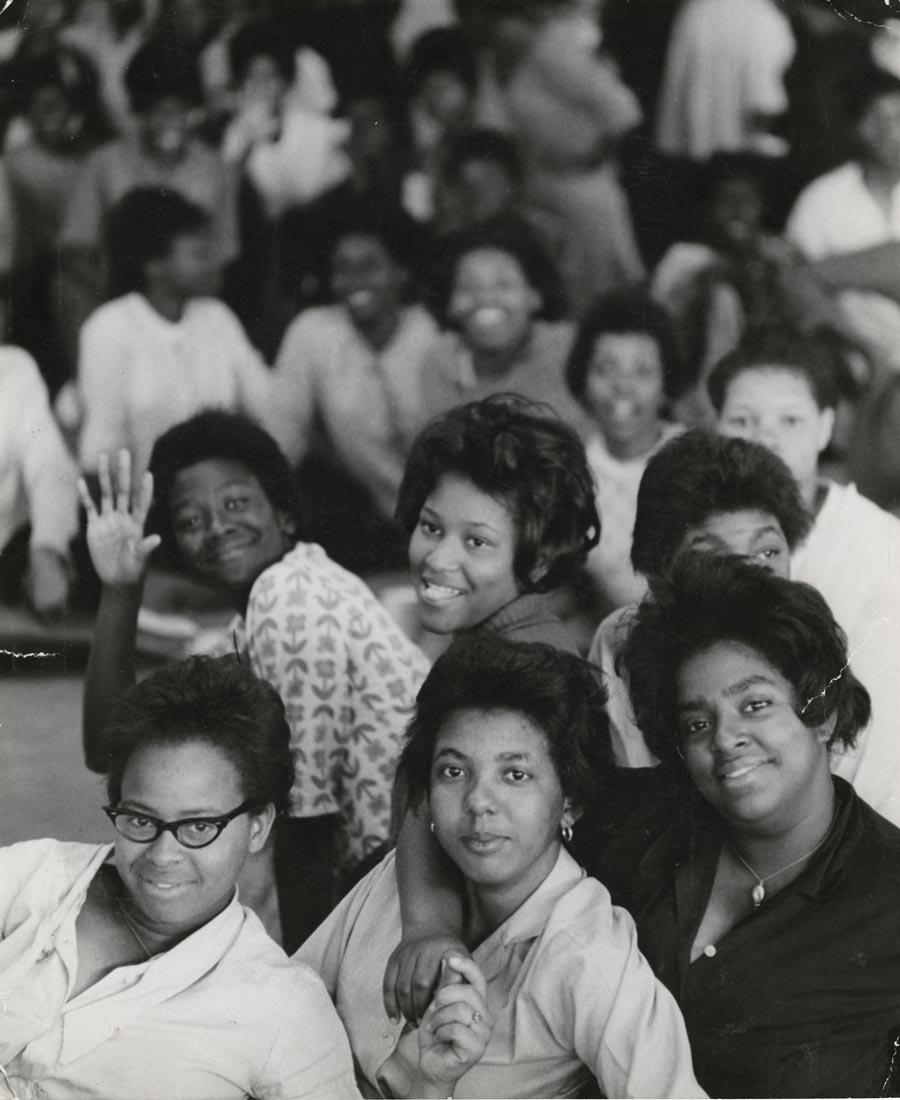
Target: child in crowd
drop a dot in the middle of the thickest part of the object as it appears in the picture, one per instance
(351, 369)
(165, 90)
(491, 284)
(440, 77)
(481, 185)
(625, 367)
(166, 348)
(701, 493)
(779, 390)
(63, 128)
(498, 503)
(224, 503)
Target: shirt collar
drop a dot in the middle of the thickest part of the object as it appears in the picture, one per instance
(530, 919)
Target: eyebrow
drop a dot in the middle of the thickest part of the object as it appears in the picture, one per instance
(431, 513)
(729, 692)
(506, 757)
(143, 808)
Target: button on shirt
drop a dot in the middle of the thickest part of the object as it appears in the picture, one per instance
(223, 1014)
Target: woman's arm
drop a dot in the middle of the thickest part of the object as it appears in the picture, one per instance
(430, 893)
(120, 553)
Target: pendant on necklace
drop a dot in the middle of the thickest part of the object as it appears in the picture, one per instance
(758, 894)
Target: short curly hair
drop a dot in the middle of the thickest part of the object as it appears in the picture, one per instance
(623, 312)
(700, 474)
(807, 356)
(522, 454)
(558, 692)
(215, 700)
(143, 226)
(217, 434)
(704, 600)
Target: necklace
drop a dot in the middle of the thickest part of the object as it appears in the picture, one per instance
(758, 893)
(132, 929)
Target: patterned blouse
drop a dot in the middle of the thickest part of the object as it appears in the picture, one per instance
(348, 677)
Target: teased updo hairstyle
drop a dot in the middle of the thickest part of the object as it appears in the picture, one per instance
(214, 700)
(231, 437)
(524, 456)
(699, 474)
(706, 599)
(559, 693)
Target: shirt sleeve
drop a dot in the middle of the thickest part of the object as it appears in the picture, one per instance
(293, 384)
(623, 1023)
(103, 356)
(48, 473)
(310, 1057)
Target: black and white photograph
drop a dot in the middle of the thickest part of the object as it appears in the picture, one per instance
(449, 549)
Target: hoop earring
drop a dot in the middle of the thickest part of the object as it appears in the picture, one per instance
(566, 831)
(431, 826)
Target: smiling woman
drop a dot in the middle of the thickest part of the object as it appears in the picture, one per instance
(106, 952)
(498, 504)
(225, 508)
(506, 750)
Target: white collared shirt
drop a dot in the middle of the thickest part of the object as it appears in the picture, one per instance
(568, 988)
(223, 1014)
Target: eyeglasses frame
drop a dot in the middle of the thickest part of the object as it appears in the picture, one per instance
(219, 821)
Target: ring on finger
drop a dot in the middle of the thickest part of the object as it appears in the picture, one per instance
(477, 1017)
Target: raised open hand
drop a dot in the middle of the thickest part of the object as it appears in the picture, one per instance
(115, 534)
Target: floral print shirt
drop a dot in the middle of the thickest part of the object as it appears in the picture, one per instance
(348, 677)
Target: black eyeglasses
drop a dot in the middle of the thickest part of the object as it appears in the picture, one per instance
(192, 832)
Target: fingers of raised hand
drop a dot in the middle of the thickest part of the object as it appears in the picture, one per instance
(123, 479)
(413, 974)
(464, 999)
(87, 501)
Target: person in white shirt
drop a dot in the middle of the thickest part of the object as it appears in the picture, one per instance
(779, 390)
(38, 499)
(855, 208)
(131, 969)
(167, 348)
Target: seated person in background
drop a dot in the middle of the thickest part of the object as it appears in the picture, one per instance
(165, 90)
(498, 503)
(440, 82)
(64, 128)
(849, 219)
(733, 273)
(491, 284)
(38, 500)
(289, 153)
(624, 368)
(758, 882)
(351, 370)
(779, 390)
(481, 185)
(225, 506)
(708, 494)
(131, 970)
(507, 749)
(166, 348)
